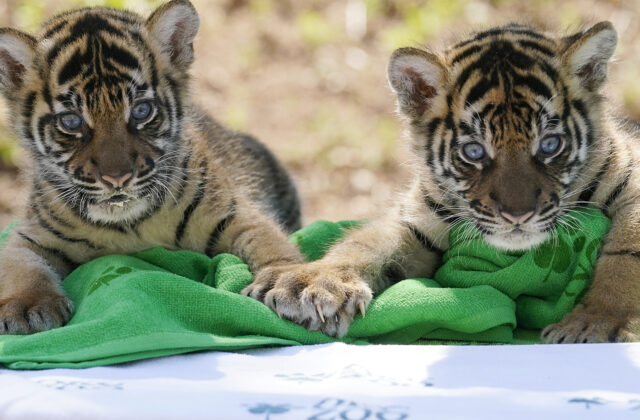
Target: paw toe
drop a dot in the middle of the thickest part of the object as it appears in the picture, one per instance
(17, 317)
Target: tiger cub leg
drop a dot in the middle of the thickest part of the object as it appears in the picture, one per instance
(611, 309)
(256, 239)
(31, 298)
(326, 294)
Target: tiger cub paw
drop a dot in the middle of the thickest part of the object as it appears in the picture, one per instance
(318, 297)
(584, 326)
(27, 315)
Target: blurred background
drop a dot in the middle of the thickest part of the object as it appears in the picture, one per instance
(308, 79)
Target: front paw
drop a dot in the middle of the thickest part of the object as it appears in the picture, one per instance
(588, 326)
(31, 314)
(318, 297)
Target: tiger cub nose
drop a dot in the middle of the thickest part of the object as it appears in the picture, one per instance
(117, 181)
(517, 217)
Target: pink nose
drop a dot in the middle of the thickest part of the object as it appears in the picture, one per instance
(117, 181)
(517, 218)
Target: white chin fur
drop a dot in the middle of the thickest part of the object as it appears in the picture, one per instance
(106, 213)
(516, 241)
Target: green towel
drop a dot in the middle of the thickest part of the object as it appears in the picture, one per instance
(159, 302)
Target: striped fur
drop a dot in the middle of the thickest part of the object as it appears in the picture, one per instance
(144, 168)
(509, 131)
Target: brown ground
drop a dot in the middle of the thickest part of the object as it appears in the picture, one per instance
(308, 80)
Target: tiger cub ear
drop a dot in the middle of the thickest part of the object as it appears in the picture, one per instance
(416, 77)
(17, 51)
(174, 26)
(587, 54)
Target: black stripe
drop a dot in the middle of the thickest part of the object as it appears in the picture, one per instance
(55, 29)
(45, 225)
(27, 113)
(534, 84)
(476, 205)
(484, 112)
(286, 260)
(117, 15)
(292, 220)
(628, 252)
(27, 108)
(175, 92)
(42, 124)
(466, 53)
(582, 110)
(120, 56)
(151, 165)
(588, 192)
(420, 237)
(72, 67)
(195, 202)
(578, 135)
(536, 46)
(617, 190)
(454, 136)
(222, 225)
(466, 73)
(185, 176)
(431, 129)
(55, 252)
(546, 68)
(546, 209)
(465, 128)
(394, 272)
(480, 89)
(437, 208)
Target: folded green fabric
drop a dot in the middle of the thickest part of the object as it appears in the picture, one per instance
(159, 302)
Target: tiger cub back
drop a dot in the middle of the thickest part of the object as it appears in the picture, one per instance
(123, 160)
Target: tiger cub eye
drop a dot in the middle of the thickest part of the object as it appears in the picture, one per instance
(70, 121)
(473, 151)
(141, 111)
(550, 145)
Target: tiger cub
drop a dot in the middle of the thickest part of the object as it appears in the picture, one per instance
(509, 131)
(124, 161)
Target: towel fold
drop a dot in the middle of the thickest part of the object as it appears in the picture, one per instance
(160, 302)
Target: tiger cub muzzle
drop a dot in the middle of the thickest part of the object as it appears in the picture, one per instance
(514, 203)
(114, 167)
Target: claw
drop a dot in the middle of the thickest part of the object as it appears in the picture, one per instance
(361, 307)
(319, 309)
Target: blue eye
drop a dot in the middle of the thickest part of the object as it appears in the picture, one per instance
(473, 151)
(70, 121)
(550, 145)
(141, 111)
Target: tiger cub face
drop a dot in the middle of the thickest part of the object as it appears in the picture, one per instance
(97, 96)
(504, 124)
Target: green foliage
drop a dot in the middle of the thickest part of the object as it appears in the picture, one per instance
(235, 117)
(8, 152)
(422, 21)
(30, 14)
(315, 29)
(261, 8)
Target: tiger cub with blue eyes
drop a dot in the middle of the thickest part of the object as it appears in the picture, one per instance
(122, 161)
(509, 130)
